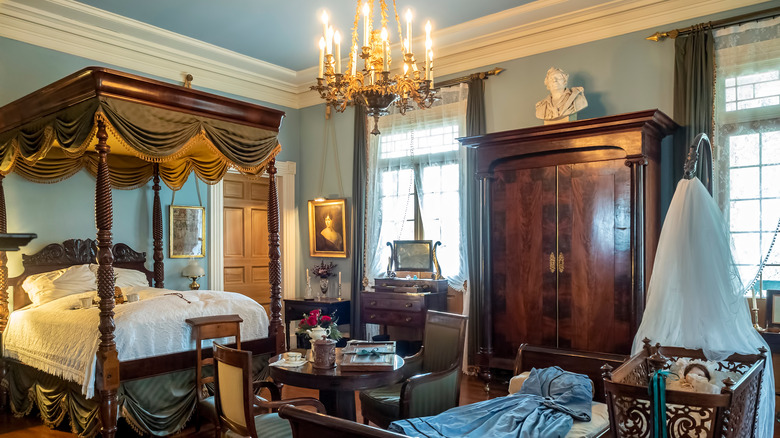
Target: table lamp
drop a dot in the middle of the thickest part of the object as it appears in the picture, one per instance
(193, 271)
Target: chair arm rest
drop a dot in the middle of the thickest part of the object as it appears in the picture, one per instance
(413, 364)
(272, 388)
(430, 393)
(302, 401)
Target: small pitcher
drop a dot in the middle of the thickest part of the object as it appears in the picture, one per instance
(324, 351)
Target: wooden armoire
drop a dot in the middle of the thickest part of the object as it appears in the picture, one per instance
(569, 225)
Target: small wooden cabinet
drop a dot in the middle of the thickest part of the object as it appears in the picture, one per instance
(401, 302)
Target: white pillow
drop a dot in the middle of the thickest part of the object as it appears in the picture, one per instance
(126, 277)
(48, 286)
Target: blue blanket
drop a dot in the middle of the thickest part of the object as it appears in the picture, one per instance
(545, 407)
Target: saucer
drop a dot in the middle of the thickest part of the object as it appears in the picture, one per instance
(293, 364)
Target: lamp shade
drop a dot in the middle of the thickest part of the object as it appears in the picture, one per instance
(193, 269)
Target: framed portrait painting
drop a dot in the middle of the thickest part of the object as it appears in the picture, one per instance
(328, 228)
(187, 232)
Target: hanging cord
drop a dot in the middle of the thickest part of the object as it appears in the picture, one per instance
(197, 190)
(411, 182)
(329, 129)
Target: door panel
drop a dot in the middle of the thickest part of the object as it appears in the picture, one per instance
(246, 237)
(594, 244)
(523, 237)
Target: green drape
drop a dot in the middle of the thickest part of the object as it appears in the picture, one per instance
(693, 95)
(359, 180)
(160, 405)
(57, 146)
(475, 125)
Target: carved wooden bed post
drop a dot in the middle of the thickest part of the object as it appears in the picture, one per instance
(4, 312)
(107, 381)
(276, 330)
(157, 232)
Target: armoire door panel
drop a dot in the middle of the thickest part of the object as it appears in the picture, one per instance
(523, 295)
(594, 312)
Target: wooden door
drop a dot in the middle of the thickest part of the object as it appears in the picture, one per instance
(522, 241)
(245, 241)
(594, 245)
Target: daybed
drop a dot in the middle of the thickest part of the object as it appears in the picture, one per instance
(154, 130)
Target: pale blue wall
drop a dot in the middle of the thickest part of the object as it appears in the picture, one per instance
(66, 210)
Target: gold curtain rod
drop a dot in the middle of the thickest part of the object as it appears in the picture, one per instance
(481, 75)
(740, 19)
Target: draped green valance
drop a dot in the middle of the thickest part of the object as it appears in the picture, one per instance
(148, 122)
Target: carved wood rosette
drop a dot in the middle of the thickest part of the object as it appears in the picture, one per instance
(276, 329)
(157, 232)
(107, 358)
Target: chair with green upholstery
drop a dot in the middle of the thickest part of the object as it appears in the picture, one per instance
(431, 382)
(240, 411)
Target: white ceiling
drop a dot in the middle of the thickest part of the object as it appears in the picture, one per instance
(266, 50)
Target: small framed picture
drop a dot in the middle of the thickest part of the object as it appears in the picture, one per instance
(773, 308)
(328, 228)
(187, 231)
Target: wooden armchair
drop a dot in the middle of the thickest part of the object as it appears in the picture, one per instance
(306, 424)
(238, 408)
(431, 377)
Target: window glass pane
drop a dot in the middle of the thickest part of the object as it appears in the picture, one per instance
(770, 147)
(768, 89)
(745, 215)
(746, 274)
(731, 94)
(758, 103)
(730, 82)
(731, 107)
(758, 77)
(766, 240)
(770, 181)
(743, 150)
(744, 183)
(747, 248)
(770, 213)
(745, 92)
(771, 273)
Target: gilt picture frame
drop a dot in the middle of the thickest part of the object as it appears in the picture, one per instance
(187, 232)
(328, 228)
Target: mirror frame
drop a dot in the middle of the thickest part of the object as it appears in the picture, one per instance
(399, 244)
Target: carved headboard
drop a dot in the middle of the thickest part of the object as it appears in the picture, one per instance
(69, 253)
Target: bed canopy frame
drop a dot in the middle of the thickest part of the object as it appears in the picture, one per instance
(127, 130)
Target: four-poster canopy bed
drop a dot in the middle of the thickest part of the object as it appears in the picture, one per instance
(126, 130)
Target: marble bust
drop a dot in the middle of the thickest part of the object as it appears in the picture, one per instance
(562, 104)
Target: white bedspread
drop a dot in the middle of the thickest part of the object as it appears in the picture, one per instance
(64, 342)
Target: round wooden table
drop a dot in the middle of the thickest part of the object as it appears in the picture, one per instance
(337, 388)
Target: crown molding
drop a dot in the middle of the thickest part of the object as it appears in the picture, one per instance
(537, 27)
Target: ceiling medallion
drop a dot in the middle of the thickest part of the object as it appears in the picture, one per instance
(373, 86)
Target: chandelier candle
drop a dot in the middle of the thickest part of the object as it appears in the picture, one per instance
(373, 86)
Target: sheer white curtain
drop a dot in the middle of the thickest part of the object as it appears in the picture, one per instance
(418, 153)
(746, 143)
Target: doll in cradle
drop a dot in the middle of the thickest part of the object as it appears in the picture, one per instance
(695, 377)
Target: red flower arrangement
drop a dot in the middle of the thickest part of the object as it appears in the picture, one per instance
(323, 270)
(315, 318)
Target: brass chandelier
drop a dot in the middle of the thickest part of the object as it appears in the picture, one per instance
(373, 86)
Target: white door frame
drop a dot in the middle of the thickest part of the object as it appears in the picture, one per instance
(285, 178)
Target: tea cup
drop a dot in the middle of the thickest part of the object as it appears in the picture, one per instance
(86, 302)
(292, 356)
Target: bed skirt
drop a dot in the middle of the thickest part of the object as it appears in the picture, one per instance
(158, 405)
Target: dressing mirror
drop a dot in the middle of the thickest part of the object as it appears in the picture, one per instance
(413, 255)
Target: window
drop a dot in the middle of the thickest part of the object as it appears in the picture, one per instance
(747, 144)
(415, 183)
(419, 170)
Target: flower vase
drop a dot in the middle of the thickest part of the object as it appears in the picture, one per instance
(324, 283)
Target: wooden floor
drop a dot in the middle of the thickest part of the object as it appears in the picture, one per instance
(472, 390)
